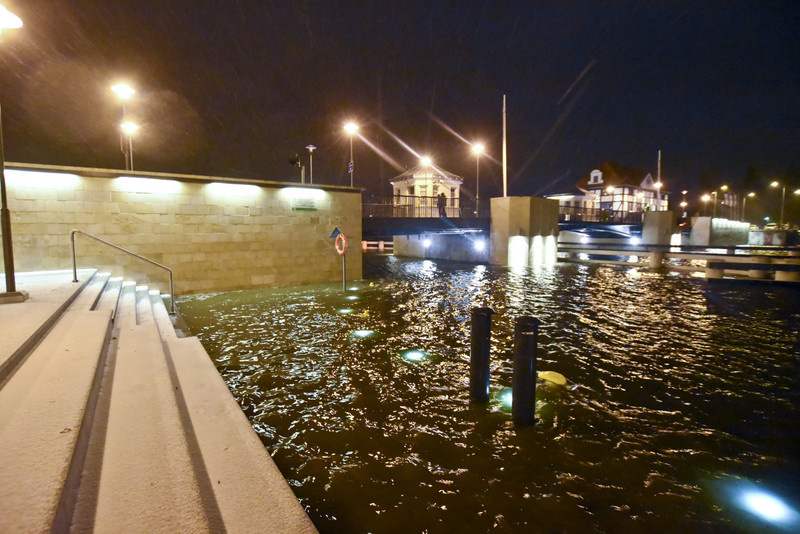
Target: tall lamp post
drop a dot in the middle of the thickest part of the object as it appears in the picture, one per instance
(705, 199)
(724, 189)
(124, 92)
(477, 149)
(311, 149)
(129, 128)
(351, 128)
(744, 204)
(7, 21)
(683, 201)
(777, 184)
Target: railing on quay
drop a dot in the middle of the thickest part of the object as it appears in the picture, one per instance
(580, 214)
(117, 247)
(421, 207)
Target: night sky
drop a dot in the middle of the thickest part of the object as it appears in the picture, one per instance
(237, 87)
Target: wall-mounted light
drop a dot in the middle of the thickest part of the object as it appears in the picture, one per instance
(41, 180)
(135, 184)
(225, 189)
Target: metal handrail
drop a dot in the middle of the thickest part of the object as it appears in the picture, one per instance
(112, 245)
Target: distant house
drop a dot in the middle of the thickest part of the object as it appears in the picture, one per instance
(416, 192)
(611, 192)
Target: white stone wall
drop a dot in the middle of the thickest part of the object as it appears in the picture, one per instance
(215, 234)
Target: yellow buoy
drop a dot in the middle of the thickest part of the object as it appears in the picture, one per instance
(552, 376)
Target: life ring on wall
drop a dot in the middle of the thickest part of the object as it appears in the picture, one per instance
(341, 244)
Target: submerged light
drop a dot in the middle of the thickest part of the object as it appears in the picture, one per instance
(414, 355)
(768, 507)
(506, 397)
(345, 311)
(352, 297)
(363, 333)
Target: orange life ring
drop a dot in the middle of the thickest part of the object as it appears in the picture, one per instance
(341, 244)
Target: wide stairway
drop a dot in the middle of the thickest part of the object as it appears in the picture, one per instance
(109, 422)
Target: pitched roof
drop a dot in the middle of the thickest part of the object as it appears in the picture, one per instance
(614, 174)
(426, 172)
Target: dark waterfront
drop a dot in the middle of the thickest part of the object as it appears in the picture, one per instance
(680, 394)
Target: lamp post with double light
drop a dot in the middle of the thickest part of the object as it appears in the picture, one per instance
(8, 21)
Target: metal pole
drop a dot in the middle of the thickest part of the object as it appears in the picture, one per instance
(523, 383)
(479, 354)
(505, 160)
(783, 203)
(5, 223)
(715, 205)
(344, 272)
(352, 165)
(478, 185)
(130, 150)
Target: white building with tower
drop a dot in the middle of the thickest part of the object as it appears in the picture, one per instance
(415, 193)
(612, 192)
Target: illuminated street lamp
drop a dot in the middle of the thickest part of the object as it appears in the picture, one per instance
(311, 149)
(125, 92)
(744, 204)
(129, 128)
(724, 189)
(8, 21)
(705, 199)
(477, 149)
(683, 201)
(776, 184)
(351, 128)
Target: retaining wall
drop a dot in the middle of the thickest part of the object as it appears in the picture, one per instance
(216, 234)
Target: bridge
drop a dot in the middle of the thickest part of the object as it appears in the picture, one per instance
(391, 216)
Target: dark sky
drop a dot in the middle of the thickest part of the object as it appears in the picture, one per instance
(237, 87)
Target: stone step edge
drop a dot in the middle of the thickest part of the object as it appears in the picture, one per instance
(7, 367)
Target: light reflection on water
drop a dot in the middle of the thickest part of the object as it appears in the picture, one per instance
(671, 384)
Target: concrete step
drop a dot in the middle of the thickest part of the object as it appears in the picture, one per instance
(251, 493)
(87, 300)
(32, 319)
(148, 477)
(144, 308)
(110, 296)
(114, 423)
(43, 431)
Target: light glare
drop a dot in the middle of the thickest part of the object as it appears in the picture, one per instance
(41, 180)
(8, 20)
(233, 190)
(134, 184)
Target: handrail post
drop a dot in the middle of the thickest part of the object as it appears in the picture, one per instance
(74, 260)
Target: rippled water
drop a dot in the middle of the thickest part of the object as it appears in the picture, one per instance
(677, 391)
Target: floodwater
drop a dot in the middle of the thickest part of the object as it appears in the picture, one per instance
(682, 398)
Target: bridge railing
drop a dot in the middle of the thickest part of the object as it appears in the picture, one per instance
(580, 214)
(420, 207)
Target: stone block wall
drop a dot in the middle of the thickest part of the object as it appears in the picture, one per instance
(216, 234)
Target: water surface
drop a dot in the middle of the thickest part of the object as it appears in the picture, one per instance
(680, 393)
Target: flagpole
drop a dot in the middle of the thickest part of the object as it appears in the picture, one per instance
(505, 160)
